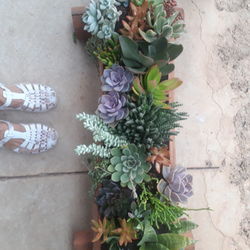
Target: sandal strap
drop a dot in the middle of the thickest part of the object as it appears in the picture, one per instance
(9, 96)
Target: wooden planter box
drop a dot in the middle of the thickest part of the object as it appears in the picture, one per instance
(83, 239)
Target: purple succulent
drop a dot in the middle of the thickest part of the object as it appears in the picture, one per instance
(116, 78)
(112, 107)
(176, 184)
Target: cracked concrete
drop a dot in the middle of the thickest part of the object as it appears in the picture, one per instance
(215, 69)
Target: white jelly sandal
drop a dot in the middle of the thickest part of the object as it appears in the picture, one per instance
(36, 97)
(37, 138)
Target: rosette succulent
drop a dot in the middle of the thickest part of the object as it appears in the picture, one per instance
(100, 18)
(176, 184)
(116, 78)
(113, 200)
(112, 107)
(129, 166)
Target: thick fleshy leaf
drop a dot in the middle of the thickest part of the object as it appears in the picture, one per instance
(129, 48)
(149, 235)
(116, 176)
(183, 226)
(174, 50)
(153, 74)
(153, 246)
(115, 160)
(170, 84)
(174, 241)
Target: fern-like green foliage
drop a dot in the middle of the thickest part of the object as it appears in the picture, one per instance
(101, 133)
(159, 212)
(148, 124)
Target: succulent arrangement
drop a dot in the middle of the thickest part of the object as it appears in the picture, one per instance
(138, 190)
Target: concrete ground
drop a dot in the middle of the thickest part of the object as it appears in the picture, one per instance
(44, 198)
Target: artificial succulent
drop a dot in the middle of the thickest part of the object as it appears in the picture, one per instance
(160, 157)
(136, 20)
(176, 184)
(138, 57)
(129, 166)
(148, 124)
(116, 78)
(151, 84)
(112, 107)
(161, 25)
(113, 200)
(100, 18)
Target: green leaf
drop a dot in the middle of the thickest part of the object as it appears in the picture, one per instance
(116, 152)
(153, 74)
(174, 50)
(124, 178)
(131, 63)
(174, 241)
(118, 167)
(137, 87)
(116, 176)
(129, 48)
(166, 68)
(170, 84)
(161, 46)
(183, 226)
(111, 168)
(114, 160)
(149, 234)
(167, 31)
(153, 246)
(171, 19)
(148, 36)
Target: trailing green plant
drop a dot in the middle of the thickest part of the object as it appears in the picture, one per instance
(161, 25)
(158, 212)
(100, 18)
(101, 133)
(151, 84)
(140, 56)
(129, 166)
(148, 124)
(106, 51)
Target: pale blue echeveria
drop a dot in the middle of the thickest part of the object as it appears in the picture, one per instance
(112, 107)
(100, 18)
(117, 78)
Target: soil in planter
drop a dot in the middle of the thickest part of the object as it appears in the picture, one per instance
(125, 12)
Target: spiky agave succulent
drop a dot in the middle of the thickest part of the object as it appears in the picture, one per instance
(129, 166)
(113, 200)
(148, 124)
(176, 184)
(100, 18)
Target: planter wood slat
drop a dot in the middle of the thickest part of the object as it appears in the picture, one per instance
(83, 239)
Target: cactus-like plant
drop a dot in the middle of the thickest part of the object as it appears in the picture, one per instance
(140, 56)
(135, 21)
(100, 18)
(176, 184)
(129, 166)
(161, 25)
(151, 84)
(148, 124)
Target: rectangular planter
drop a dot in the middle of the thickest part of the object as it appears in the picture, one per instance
(82, 239)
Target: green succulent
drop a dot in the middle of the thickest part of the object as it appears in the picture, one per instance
(129, 166)
(148, 124)
(138, 2)
(151, 84)
(138, 57)
(100, 18)
(161, 25)
(107, 51)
